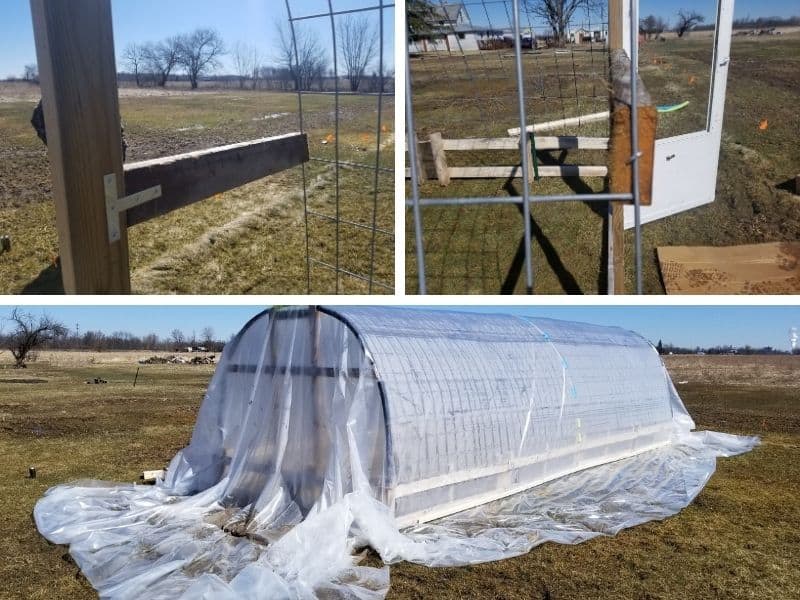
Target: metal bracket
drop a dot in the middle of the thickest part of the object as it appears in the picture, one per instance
(115, 205)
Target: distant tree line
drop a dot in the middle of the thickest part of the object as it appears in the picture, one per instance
(23, 333)
(301, 61)
(716, 350)
(766, 22)
(652, 26)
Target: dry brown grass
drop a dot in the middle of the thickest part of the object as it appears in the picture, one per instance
(737, 540)
(249, 240)
(480, 250)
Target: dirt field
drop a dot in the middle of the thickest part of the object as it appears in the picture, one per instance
(479, 249)
(737, 540)
(249, 240)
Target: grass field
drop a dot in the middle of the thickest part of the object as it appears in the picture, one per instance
(480, 249)
(737, 540)
(248, 240)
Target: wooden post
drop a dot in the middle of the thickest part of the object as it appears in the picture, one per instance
(77, 68)
(620, 148)
(616, 227)
(439, 159)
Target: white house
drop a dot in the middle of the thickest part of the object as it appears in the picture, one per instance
(450, 30)
(584, 35)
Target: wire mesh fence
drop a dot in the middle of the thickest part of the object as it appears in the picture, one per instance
(479, 71)
(348, 185)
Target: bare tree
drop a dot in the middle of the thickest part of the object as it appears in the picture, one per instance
(31, 74)
(652, 26)
(30, 332)
(687, 20)
(207, 336)
(199, 53)
(558, 14)
(358, 43)
(243, 61)
(177, 337)
(308, 63)
(134, 58)
(161, 59)
(256, 69)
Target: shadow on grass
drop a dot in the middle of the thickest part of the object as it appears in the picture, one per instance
(568, 282)
(565, 278)
(48, 282)
(790, 185)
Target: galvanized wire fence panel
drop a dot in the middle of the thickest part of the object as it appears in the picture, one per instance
(348, 186)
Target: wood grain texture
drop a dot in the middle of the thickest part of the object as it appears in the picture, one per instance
(77, 68)
(439, 159)
(189, 178)
(616, 228)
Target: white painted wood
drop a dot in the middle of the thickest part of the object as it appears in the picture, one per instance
(542, 143)
(516, 171)
(685, 170)
(152, 476)
(455, 506)
(572, 121)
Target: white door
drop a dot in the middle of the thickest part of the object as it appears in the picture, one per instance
(685, 169)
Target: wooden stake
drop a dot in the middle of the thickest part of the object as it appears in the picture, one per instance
(616, 229)
(439, 159)
(77, 68)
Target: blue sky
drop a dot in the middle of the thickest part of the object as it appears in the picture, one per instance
(682, 325)
(248, 21)
(498, 12)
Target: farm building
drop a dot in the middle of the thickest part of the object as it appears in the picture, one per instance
(584, 35)
(449, 28)
(327, 429)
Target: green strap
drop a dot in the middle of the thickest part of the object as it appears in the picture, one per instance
(535, 158)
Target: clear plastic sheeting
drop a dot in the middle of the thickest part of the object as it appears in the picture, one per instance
(435, 437)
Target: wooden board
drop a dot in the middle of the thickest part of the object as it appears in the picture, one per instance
(621, 147)
(152, 476)
(570, 122)
(564, 142)
(189, 178)
(75, 53)
(772, 268)
(616, 213)
(516, 171)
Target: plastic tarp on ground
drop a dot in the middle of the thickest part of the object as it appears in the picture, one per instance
(436, 437)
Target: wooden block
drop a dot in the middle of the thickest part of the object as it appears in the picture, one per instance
(189, 178)
(78, 72)
(426, 167)
(152, 476)
(439, 159)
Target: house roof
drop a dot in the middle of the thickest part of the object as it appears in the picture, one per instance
(448, 12)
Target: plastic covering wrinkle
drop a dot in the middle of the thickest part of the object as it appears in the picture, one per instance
(434, 437)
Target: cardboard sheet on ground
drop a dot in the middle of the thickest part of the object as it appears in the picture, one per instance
(772, 268)
(435, 437)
